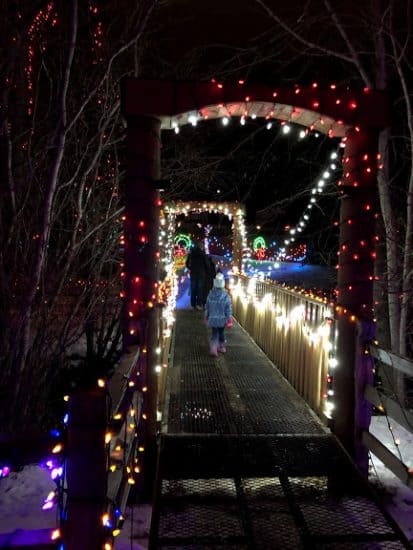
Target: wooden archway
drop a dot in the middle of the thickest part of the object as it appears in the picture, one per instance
(233, 210)
(150, 106)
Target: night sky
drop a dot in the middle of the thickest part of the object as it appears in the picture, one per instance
(272, 173)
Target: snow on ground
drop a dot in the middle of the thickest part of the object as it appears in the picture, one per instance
(21, 499)
(135, 532)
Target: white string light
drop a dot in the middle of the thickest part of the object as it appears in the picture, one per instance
(317, 189)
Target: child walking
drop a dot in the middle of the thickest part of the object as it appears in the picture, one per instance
(217, 312)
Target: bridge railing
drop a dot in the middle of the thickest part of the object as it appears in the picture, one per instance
(296, 332)
(388, 365)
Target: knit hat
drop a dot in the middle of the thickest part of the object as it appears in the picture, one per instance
(219, 281)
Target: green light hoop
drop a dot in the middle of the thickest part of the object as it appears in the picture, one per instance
(259, 242)
(186, 239)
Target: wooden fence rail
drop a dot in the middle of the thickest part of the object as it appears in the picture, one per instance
(294, 330)
(390, 405)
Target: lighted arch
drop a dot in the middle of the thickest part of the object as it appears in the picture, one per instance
(332, 111)
(355, 116)
(233, 210)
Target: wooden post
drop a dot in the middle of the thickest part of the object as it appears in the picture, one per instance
(86, 470)
(141, 265)
(363, 377)
(355, 283)
(237, 239)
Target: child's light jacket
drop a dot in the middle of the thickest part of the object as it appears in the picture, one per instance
(218, 308)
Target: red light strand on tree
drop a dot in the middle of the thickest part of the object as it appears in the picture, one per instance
(35, 32)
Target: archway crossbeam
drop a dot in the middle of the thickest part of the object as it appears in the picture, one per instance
(331, 111)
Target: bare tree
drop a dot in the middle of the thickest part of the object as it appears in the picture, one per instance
(61, 151)
(372, 43)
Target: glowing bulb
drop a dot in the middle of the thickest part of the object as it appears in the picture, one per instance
(332, 362)
(286, 129)
(193, 120)
(55, 534)
(225, 121)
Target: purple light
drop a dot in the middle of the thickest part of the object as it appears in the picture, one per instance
(5, 471)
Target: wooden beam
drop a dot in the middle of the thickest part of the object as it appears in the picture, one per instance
(119, 382)
(400, 470)
(392, 360)
(390, 407)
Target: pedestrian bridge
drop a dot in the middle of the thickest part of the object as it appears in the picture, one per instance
(244, 463)
(234, 452)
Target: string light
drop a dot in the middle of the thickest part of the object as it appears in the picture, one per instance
(317, 189)
(323, 334)
(36, 37)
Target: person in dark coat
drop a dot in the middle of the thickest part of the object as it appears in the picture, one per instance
(198, 266)
(210, 276)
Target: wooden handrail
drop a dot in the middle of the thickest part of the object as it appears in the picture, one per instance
(403, 472)
(119, 381)
(393, 360)
(291, 344)
(391, 407)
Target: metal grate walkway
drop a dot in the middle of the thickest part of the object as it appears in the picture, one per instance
(245, 464)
